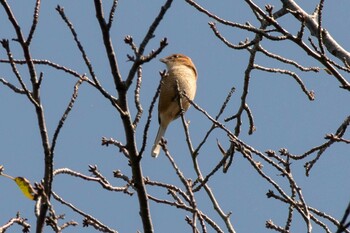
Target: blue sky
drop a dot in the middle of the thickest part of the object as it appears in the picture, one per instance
(283, 115)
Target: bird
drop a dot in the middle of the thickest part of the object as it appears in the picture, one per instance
(181, 76)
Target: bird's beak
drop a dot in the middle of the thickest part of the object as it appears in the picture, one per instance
(164, 60)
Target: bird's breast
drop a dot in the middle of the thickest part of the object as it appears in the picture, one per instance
(186, 79)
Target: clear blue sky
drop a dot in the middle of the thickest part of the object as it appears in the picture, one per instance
(284, 116)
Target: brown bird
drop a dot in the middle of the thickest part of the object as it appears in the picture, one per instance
(182, 75)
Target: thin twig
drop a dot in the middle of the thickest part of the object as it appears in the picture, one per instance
(287, 61)
(97, 84)
(137, 97)
(248, 27)
(105, 30)
(188, 208)
(202, 182)
(309, 94)
(223, 107)
(111, 13)
(242, 45)
(5, 44)
(34, 97)
(243, 148)
(224, 217)
(34, 23)
(17, 220)
(111, 141)
(98, 179)
(149, 35)
(89, 220)
(12, 87)
(319, 11)
(343, 226)
(51, 64)
(322, 148)
(149, 118)
(65, 114)
(251, 119)
(173, 188)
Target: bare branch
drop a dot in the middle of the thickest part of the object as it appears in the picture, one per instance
(25, 47)
(34, 23)
(187, 208)
(111, 13)
(251, 119)
(149, 35)
(210, 174)
(311, 23)
(113, 101)
(5, 44)
(149, 118)
(111, 141)
(65, 114)
(17, 220)
(105, 30)
(184, 123)
(242, 45)
(270, 225)
(130, 41)
(322, 148)
(314, 213)
(296, 39)
(309, 94)
(44, 62)
(98, 178)
(287, 61)
(232, 24)
(246, 150)
(284, 189)
(224, 217)
(171, 188)
(34, 97)
(89, 220)
(13, 87)
(319, 31)
(137, 97)
(223, 106)
(343, 226)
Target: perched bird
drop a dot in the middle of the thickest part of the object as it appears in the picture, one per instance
(181, 75)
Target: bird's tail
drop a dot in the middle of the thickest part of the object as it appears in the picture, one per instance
(156, 146)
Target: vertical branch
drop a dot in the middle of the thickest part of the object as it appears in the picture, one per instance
(65, 114)
(96, 82)
(343, 224)
(137, 97)
(149, 35)
(105, 29)
(111, 13)
(47, 180)
(24, 45)
(320, 31)
(149, 118)
(224, 105)
(216, 205)
(35, 21)
(6, 46)
(122, 88)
